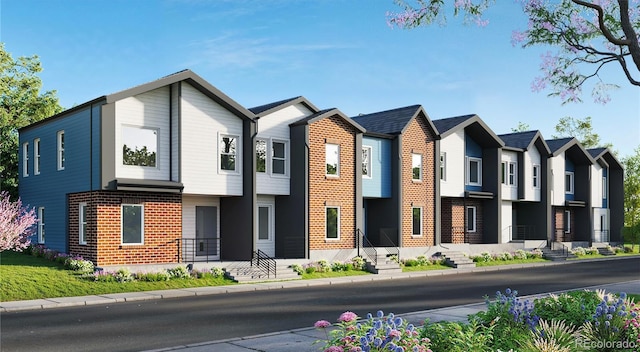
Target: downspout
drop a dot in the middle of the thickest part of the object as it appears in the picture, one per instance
(306, 191)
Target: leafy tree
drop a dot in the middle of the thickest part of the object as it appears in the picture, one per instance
(21, 104)
(522, 127)
(632, 197)
(139, 156)
(16, 224)
(581, 129)
(587, 35)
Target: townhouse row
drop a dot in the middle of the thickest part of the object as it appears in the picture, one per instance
(176, 171)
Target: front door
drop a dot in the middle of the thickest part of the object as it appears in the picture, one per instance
(265, 241)
(206, 230)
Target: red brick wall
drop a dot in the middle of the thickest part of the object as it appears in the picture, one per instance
(334, 191)
(562, 236)
(453, 216)
(418, 139)
(162, 228)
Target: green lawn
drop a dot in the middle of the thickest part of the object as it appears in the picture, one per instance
(513, 261)
(406, 269)
(317, 275)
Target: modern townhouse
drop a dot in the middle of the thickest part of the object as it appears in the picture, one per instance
(607, 196)
(399, 179)
(159, 173)
(570, 191)
(470, 181)
(525, 189)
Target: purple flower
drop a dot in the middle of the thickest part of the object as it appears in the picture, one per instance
(334, 349)
(321, 324)
(347, 317)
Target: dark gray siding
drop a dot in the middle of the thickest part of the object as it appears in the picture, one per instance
(491, 171)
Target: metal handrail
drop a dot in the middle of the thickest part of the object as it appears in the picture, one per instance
(601, 236)
(197, 249)
(264, 262)
(523, 232)
(563, 248)
(367, 248)
(391, 250)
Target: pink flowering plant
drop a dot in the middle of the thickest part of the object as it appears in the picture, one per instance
(16, 224)
(375, 333)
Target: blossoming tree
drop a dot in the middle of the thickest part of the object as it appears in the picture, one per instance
(586, 35)
(16, 224)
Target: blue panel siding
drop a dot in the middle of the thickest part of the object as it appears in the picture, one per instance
(379, 185)
(49, 189)
(472, 149)
(96, 151)
(570, 167)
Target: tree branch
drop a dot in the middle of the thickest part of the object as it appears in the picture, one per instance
(629, 32)
(601, 24)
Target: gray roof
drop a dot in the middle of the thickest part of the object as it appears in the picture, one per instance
(327, 113)
(444, 125)
(267, 109)
(389, 121)
(595, 152)
(262, 108)
(556, 144)
(520, 140)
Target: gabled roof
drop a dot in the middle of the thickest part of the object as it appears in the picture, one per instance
(267, 109)
(557, 144)
(607, 156)
(572, 147)
(327, 113)
(524, 140)
(473, 126)
(394, 121)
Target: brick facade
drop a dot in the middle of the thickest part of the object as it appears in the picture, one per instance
(560, 234)
(453, 221)
(162, 227)
(332, 191)
(418, 139)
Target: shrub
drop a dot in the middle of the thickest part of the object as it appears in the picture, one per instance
(152, 277)
(574, 307)
(123, 275)
(535, 254)
(484, 257)
(592, 250)
(102, 276)
(520, 254)
(552, 335)
(179, 272)
(358, 263)
(323, 266)
(297, 268)
(458, 337)
(76, 263)
(310, 269)
(628, 249)
(411, 262)
(506, 256)
(217, 272)
(339, 266)
(608, 323)
(579, 251)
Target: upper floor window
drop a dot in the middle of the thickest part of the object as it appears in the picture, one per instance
(536, 176)
(132, 224)
(416, 221)
(443, 166)
(366, 162)
(416, 167)
(82, 223)
(279, 157)
(261, 155)
(36, 156)
(228, 153)
(509, 173)
(25, 159)
(471, 219)
(332, 159)
(474, 171)
(60, 148)
(41, 225)
(332, 223)
(139, 146)
(604, 187)
(568, 182)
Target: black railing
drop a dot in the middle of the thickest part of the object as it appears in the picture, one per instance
(523, 232)
(368, 251)
(601, 236)
(390, 250)
(198, 249)
(264, 263)
(560, 235)
(559, 246)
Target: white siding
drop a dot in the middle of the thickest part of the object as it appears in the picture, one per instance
(510, 192)
(557, 180)
(202, 121)
(596, 185)
(175, 132)
(189, 204)
(453, 146)
(598, 213)
(531, 158)
(276, 126)
(507, 218)
(149, 110)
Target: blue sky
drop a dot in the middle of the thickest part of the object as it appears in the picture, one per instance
(336, 53)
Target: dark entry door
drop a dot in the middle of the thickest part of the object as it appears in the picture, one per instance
(206, 230)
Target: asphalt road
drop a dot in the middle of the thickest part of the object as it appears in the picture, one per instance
(162, 323)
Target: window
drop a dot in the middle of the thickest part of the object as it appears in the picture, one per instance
(36, 156)
(132, 224)
(604, 187)
(332, 224)
(263, 223)
(474, 171)
(41, 225)
(261, 155)
(568, 182)
(25, 159)
(536, 176)
(471, 219)
(567, 221)
(512, 174)
(417, 221)
(139, 146)
(443, 166)
(279, 158)
(332, 158)
(82, 223)
(416, 167)
(60, 143)
(366, 162)
(228, 153)
(504, 172)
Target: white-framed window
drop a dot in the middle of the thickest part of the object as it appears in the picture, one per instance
(132, 223)
(82, 223)
(443, 166)
(568, 182)
(416, 167)
(504, 172)
(60, 149)
(261, 155)
(25, 159)
(512, 174)
(140, 146)
(41, 237)
(332, 159)
(228, 148)
(604, 187)
(416, 221)
(332, 223)
(536, 176)
(471, 219)
(36, 156)
(474, 171)
(366, 162)
(567, 221)
(279, 152)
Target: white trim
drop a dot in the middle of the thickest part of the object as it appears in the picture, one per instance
(471, 159)
(605, 188)
(421, 166)
(325, 224)
(237, 161)
(141, 224)
(82, 220)
(157, 146)
(369, 152)
(41, 228)
(512, 174)
(60, 150)
(326, 158)
(25, 159)
(535, 178)
(475, 219)
(271, 224)
(266, 155)
(571, 182)
(285, 159)
(413, 234)
(36, 156)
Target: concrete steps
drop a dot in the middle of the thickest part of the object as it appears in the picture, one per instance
(384, 265)
(556, 255)
(457, 260)
(247, 273)
(606, 251)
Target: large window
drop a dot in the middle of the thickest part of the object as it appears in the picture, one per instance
(36, 156)
(139, 146)
(474, 171)
(261, 155)
(41, 225)
(332, 223)
(443, 166)
(471, 219)
(536, 176)
(416, 167)
(332, 159)
(25, 159)
(567, 221)
(509, 173)
(279, 157)
(60, 146)
(416, 221)
(228, 153)
(132, 224)
(82, 223)
(366, 162)
(568, 182)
